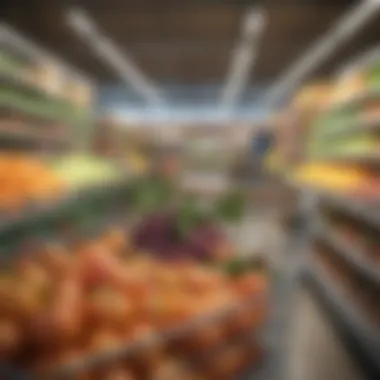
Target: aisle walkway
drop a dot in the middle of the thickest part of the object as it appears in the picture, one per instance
(314, 351)
(317, 353)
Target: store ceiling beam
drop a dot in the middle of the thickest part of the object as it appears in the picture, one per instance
(119, 61)
(243, 57)
(318, 53)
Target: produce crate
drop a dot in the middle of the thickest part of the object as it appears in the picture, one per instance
(195, 344)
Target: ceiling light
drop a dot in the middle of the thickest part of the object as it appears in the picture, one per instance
(347, 25)
(107, 50)
(243, 57)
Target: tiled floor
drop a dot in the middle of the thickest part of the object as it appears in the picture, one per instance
(316, 352)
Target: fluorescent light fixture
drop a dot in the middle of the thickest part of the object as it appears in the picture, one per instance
(341, 32)
(243, 57)
(106, 49)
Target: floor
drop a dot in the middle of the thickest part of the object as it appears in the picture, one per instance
(316, 351)
(312, 349)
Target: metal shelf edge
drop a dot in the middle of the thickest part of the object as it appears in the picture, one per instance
(365, 337)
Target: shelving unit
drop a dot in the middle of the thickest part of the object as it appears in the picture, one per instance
(42, 98)
(355, 310)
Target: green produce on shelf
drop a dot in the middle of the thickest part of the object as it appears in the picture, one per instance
(239, 266)
(79, 170)
(9, 62)
(150, 194)
(231, 207)
(373, 75)
(43, 107)
(333, 122)
(191, 214)
(350, 145)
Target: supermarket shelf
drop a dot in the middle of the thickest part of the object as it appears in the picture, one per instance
(28, 137)
(19, 82)
(370, 158)
(350, 254)
(355, 100)
(47, 210)
(362, 337)
(356, 127)
(30, 51)
(39, 116)
(367, 212)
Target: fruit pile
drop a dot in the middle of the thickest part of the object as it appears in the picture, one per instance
(24, 179)
(172, 236)
(66, 307)
(348, 179)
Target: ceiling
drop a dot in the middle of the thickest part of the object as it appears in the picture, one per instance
(188, 41)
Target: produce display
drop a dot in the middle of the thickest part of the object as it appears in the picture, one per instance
(172, 236)
(35, 94)
(136, 162)
(77, 170)
(359, 237)
(348, 128)
(48, 77)
(184, 227)
(25, 179)
(70, 305)
(342, 161)
(357, 81)
(343, 178)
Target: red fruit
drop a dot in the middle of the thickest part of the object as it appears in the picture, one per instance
(10, 339)
(202, 280)
(66, 312)
(251, 284)
(115, 241)
(22, 302)
(56, 260)
(109, 307)
(98, 267)
(103, 340)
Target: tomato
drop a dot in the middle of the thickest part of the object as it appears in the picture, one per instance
(66, 313)
(22, 302)
(56, 260)
(108, 307)
(103, 340)
(115, 241)
(251, 284)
